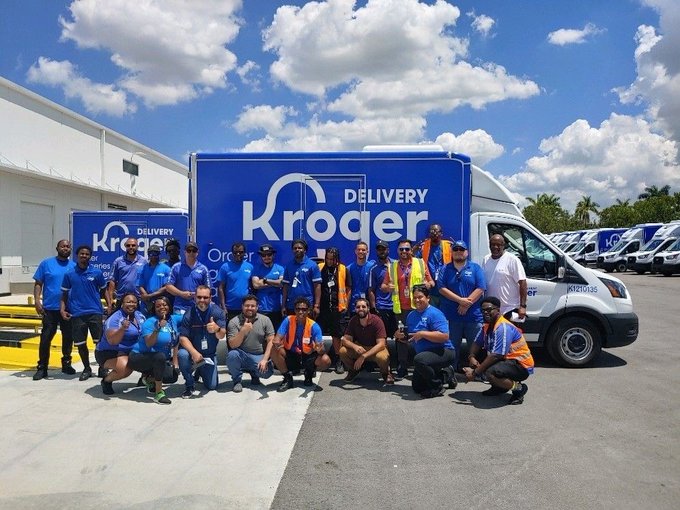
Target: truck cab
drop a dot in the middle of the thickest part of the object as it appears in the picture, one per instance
(667, 262)
(631, 240)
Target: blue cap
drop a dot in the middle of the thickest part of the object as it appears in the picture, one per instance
(460, 244)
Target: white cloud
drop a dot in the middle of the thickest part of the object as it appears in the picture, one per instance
(248, 75)
(169, 50)
(565, 36)
(397, 57)
(658, 69)
(96, 97)
(478, 144)
(482, 24)
(616, 160)
(269, 118)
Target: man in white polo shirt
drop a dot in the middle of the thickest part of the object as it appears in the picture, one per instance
(505, 278)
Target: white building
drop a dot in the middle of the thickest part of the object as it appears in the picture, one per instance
(54, 161)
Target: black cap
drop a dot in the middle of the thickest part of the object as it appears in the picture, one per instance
(382, 243)
(266, 249)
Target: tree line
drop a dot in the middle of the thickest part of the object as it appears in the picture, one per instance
(655, 205)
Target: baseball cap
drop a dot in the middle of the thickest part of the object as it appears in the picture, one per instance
(154, 248)
(382, 243)
(191, 244)
(460, 244)
(266, 249)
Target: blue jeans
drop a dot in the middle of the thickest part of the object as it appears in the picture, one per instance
(208, 372)
(458, 330)
(240, 361)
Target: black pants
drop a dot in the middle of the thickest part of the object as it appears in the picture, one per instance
(51, 319)
(276, 319)
(427, 367)
(148, 363)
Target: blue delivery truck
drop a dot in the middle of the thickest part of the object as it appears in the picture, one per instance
(338, 198)
(106, 231)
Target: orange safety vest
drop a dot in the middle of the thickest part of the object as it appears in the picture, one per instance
(307, 333)
(446, 250)
(342, 288)
(519, 350)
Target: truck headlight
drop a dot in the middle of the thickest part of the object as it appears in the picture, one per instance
(672, 257)
(616, 289)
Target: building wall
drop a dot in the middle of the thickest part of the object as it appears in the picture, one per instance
(54, 161)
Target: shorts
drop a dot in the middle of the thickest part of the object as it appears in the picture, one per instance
(508, 369)
(105, 355)
(332, 323)
(81, 325)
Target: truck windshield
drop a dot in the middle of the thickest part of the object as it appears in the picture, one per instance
(538, 259)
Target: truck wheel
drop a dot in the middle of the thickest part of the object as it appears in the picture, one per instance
(574, 342)
(608, 270)
(621, 267)
(667, 273)
(640, 271)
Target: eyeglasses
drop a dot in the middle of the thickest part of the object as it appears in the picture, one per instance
(192, 250)
(405, 248)
(488, 309)
(302, 309)
(266, 254)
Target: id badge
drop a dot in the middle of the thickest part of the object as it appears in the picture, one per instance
(306, 341)
(295, 282)
(406, 292)
(331, 283)
(362, 295)
(204, 344)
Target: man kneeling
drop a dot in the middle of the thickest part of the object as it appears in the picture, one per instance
(299, 342)
(365, 340)
(508, 360)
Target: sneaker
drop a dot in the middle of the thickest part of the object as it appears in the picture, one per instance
(86, 374)
(103, 372)
(351, 375)
(238, 388)
(160, 398)
(40, 374)
(309, 380)
(402, 372)
(433, 393)
(188, 393)
(150, 385)
(255, 380)
(493, 391)
(449, 378)
(107, 388)
(141, 383)
(286, 384)
(388, 378)
(67, 369)
(517, 396)
(339, 367)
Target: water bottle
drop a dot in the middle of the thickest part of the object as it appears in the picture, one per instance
(400, 327)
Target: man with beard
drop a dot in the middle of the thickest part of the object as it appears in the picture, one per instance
(47, 297)
(365, 340)
(266, 280)
(249, 337)
(124, 273)
(360, 271)
(81, 304)
(436, 252)
(233, 280)
(381, 301)
(505, 278)
(185, 277)
(202, 326)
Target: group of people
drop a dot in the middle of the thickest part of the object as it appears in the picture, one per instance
(162, 319)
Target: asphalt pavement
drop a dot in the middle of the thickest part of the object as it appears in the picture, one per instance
(606, 436)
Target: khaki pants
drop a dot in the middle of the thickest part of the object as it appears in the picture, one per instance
(381, 358)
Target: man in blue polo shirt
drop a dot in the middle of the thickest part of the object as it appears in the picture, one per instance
(266, 280)
(125, 272)
(301, 278)
(152, 279)
(360, 271)
(234, 281)
(461, 287)
(81, 304)
(185, 277)
(47, 298)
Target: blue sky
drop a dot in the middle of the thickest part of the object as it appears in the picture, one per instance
(567, 97)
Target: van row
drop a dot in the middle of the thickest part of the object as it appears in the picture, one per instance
(646, 247)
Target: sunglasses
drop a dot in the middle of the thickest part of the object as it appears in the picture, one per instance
(458, 249)
(488, 309)
(404, 249)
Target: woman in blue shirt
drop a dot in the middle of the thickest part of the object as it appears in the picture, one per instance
(428, 330)
(121, 332)
(157, 344)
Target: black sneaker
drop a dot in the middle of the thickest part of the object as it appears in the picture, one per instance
(401, 372)
(433, 393)
(102, 372)
(67, 369)
(40, 374)
(517, 396)
(351, 375)
(309, 379)
(255, 380)
(493, 391)
(107, 388)
(86, 374)
(449, 378)
(339, 367)
(286, 384)
(188, 393)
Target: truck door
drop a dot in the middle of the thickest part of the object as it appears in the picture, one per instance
(545, 293)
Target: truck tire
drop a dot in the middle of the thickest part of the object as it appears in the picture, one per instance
(641, 271)
(621, 267)
(667, 273)
(574, 342)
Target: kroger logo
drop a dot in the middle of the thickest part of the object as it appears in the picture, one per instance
(322, 224)
(112, 238)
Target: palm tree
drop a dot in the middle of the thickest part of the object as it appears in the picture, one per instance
(584, 207)
(654, 191)
(622, 203)
(546, 200)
